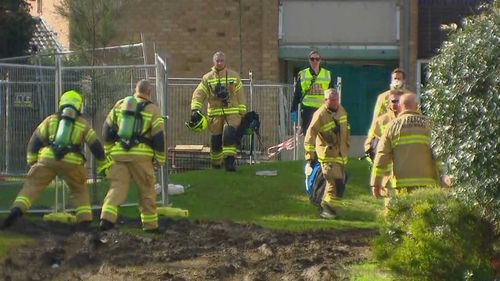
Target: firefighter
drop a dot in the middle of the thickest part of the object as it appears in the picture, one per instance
(374, 136)
(134, 139)
(398, 77)
(223, 90)
(309, 88)
(406, 144)
(327, 141)
(55, 149)
(373, 139)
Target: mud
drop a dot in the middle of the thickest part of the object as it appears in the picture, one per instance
(183, 250)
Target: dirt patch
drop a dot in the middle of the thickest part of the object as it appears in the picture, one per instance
(184, 250)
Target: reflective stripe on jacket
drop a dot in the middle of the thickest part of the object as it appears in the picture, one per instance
(206, 90)
(331, 145)
(314, 86)
(406, 144)
(379, 128)
(381, 107)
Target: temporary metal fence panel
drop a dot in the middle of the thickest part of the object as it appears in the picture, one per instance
(162, 98)
(26, 98)
(101, 87)
(28, 94)
(270, 101)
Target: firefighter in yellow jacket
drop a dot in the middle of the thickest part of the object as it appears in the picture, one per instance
(398, 78)
(373, 140)
(405, 144)
(223, 89)
(374, 136)
(134, 139)
(327, 140)
(55, 149)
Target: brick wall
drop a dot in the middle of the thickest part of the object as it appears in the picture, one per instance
(188, 32)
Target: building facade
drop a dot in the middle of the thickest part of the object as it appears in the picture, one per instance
(360, 41)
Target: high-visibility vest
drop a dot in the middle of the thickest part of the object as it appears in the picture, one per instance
(313, 86)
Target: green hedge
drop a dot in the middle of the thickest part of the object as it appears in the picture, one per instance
(462, 98)
(429, 235)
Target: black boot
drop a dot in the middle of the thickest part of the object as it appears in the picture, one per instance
(154, 231)
(327, 212)
(216, 166)
(229, 164)
(105, 225)
(83, 226)
(15, 213)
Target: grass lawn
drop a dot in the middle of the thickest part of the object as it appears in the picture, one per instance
(277, 202)
(11, 240)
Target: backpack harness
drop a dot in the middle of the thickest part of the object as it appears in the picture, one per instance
(137, 137)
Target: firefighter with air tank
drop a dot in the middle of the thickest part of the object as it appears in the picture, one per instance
(55, 149)
(134, 140)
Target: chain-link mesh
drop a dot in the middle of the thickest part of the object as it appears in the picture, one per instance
(26, 98)
(271, 101)
(29, 93)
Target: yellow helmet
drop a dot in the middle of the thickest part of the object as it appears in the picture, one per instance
(71, 98)
(199, 124)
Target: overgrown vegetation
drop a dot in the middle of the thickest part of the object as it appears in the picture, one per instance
(429, 235)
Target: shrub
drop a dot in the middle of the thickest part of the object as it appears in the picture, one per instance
(462, 98)
(429, 235)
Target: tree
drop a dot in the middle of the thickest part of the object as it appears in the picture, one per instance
(90, 24)
(463, 100)
(16, 28)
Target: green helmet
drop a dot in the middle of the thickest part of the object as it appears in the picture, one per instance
(198, 123)
(71, 98)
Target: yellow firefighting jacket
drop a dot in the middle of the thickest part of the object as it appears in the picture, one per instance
(406, 144)
(328, 136)
(381, 107)
(379, 128)
(206, 90)
(39, 148)
(152, 130)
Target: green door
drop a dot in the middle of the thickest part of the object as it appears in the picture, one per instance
(361, 85)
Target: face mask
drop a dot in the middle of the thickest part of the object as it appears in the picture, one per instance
(396, 85)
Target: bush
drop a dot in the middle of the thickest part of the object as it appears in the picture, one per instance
(462, 98)
(429, 235)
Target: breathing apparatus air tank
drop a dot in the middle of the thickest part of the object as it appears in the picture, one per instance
(127, 122)
(65, 126)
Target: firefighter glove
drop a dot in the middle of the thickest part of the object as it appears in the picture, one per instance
(195, 116)
(103, 166)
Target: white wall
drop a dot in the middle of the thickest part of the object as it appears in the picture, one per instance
(339, 22)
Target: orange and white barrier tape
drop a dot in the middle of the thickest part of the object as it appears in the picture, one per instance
(288, 144)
